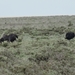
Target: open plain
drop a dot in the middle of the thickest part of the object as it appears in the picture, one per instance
(41, 47)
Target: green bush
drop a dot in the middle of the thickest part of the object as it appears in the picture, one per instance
(70, 23)
(5, 44)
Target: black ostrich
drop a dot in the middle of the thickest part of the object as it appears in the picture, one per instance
(70, 35)
(9, 38)
(12, 37)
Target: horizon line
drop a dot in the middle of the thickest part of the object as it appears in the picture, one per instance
(33, 16)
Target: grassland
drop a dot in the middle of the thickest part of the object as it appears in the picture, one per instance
(41, 48)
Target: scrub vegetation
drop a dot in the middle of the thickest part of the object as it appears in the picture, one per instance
(41, 47)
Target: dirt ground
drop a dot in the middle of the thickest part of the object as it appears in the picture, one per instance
(41, 47)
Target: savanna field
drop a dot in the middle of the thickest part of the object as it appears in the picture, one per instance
(41, 47)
